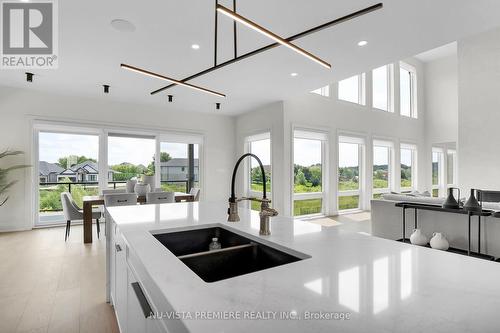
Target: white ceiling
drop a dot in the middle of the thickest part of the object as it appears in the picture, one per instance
(444, 51)
(91, 50)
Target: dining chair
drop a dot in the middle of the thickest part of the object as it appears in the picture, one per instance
(73, 213)
(160, 197)
(114, 191)
(120, 199)
(195, 192)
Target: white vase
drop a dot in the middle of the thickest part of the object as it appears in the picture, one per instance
(151, 180)
(141, 189)
(439, 242)
(418, 238)
(131, 185)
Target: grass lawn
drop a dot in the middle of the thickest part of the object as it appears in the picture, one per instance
(351, 202)
(307, 207)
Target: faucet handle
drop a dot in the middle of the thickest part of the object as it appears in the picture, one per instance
(270, 212)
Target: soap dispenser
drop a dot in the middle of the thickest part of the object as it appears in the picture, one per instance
(215, 245)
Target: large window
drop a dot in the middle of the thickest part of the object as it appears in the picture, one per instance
(259, 145)
(308, 157)
(437, 171)
(408, 167)
(130, 156)
(408, 90)
(382, 168)
(451, 167)
(381, 88)
(349, 172)
(352, 89)
(180, 166)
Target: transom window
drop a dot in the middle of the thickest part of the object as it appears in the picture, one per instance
(408, 90)
(352, 89)
(323, 91)
(382, 88)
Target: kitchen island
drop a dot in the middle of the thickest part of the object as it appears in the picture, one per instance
(346, 282)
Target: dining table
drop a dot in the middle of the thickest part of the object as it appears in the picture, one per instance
(90, 201)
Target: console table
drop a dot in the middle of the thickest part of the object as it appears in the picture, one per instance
(417, 206)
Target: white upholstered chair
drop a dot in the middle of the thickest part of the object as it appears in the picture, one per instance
(73, 213)
(160, 197)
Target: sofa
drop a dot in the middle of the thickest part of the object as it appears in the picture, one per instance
(387, 223)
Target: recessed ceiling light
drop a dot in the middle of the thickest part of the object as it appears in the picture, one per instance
(123, 25)
(195, 47)
(362, 43)
(294, 74)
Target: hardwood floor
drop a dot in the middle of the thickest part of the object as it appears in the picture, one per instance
(48, 285)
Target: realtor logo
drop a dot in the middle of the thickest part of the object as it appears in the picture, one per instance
(29, 34)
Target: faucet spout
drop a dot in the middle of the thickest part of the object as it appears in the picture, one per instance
(265, 211)
(233, 179)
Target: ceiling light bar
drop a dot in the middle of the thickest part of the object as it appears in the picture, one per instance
(326, 25)
(273, 36)
(162, 77)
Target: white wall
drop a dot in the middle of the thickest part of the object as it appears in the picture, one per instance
(266, 119)
(441, 100)
(18, 106)
(333, 116)
(479, 111)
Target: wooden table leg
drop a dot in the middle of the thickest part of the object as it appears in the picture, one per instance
(87, 222)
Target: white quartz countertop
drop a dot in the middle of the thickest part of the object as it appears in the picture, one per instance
(383, 285)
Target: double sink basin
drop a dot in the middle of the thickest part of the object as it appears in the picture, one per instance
(239, 255)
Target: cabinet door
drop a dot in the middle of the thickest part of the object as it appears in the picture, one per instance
(136, 307)
(121, 281)
(112, 266)
(154, 326)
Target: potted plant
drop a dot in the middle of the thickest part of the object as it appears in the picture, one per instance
(5, 185)
(148, 177)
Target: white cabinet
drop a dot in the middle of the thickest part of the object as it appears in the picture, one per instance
(137, 306)
(131, 305)
(121, 284)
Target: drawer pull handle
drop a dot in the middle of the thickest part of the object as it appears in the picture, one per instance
(118, 247)
(146, 308)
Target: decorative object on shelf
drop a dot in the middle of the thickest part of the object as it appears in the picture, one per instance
(141, 189)
(149, 178)
(418, 238)
(4, 184)
(131, 185)
(472, 205)
(439, 241)
(451, 202)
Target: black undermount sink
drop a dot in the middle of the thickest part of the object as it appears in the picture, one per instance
(238, 255)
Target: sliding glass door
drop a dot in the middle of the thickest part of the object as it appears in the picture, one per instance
(67, 162)
(180, 166)
(129, 156)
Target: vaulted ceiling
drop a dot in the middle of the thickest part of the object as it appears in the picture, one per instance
(91, 50)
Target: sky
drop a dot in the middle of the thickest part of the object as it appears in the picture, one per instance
(132, 150)
(380, 155)
(306, 152)
(348, 154)
(262, 149)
